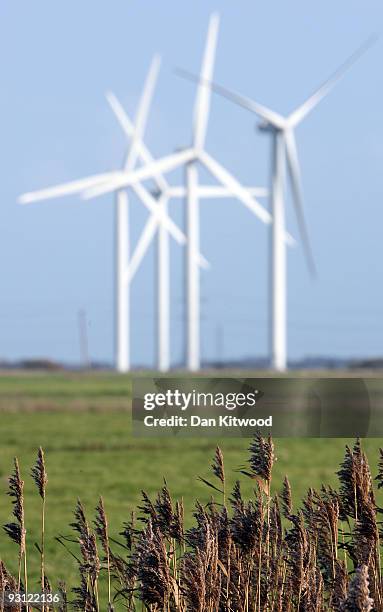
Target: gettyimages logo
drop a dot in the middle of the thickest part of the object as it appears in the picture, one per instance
(285, 407)
(193, 399)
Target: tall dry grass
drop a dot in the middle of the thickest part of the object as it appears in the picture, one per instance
(241, 555)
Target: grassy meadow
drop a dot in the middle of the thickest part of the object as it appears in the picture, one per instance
(83, 423)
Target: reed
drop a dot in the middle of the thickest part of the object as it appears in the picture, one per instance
(40, 477)
(256, 554)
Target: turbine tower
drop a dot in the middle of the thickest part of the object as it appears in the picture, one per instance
(192, 277)
(284, 157)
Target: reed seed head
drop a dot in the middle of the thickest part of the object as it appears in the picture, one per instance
(39, 474)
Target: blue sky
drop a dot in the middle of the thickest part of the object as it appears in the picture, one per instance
(57, 61)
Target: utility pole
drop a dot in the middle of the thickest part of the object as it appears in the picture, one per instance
(83, 339)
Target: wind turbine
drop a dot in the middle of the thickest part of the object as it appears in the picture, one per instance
(284, 154)
(153, 226)
(229, 186)
(125, 269)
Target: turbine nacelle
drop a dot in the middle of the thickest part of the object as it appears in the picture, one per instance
(156, 193)
(265, 126)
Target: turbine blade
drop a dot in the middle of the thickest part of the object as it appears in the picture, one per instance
(143, 112)
(259, 192)
(143, 244)
(203, 262)
(264, 112)
(223, 176)
(296, 182)
(235, 188)
(202, 105)
(124, 179)
(300, 113)
(66, 188)
(215, 191)
(176, 192)
(127, 125)
(218, 191)
(158, 212)
(120, 114)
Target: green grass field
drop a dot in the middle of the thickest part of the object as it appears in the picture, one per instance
(83, 423)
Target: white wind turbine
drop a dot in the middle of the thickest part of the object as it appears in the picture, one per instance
(126, 267)
(229, 187)
(153, 226)
(284, 153)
